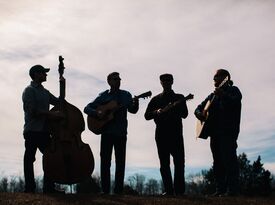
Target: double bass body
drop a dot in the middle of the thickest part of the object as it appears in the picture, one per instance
(67, 159)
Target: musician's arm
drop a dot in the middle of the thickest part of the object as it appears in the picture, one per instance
(232, 97)
(151, 111)
(31, 107)
(184, 110)
(181, 107)
(199, 110)
(54, 100)
(29, 103)
(134, 104)
(90, 109)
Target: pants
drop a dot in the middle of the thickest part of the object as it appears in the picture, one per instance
(34, 140)
(225, 163)
(174, 147)
(107, 144)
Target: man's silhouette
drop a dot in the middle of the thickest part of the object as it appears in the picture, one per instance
(114, 134)
(36, 104)
(223, 125)
(169, 134)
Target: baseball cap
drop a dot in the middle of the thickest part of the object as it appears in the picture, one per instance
(37, 69)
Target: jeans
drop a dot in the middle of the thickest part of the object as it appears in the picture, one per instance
(225, 163)
(175, 148)
(34, 141)
(108, 142)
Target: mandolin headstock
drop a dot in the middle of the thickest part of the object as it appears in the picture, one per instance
(189, 97)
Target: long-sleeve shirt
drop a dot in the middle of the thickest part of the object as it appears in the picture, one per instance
(168, 123)
(118, 125)
(36, 99)
(224, 112)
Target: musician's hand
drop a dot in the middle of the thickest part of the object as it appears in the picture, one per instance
(158, 111)
(135, 101)
(99, 114)
(62, 79)
(174, 104)
(201, 116)
(56, 115)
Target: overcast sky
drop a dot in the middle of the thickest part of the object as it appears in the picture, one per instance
(141, 40)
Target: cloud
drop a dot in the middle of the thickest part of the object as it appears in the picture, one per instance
(270, 167)
(141, 40)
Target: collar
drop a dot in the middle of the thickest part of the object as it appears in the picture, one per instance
(168, 93)
(114, 92)
(36, 85)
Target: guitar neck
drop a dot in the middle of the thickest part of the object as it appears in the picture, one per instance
(209, 102)
(207, 106)
(144, 95)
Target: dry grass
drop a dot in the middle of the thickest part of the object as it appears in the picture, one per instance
(79, 199)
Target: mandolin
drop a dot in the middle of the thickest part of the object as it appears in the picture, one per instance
(170, 106)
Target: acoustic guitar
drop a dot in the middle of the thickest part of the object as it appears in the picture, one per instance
(201, 126)
(96, 125)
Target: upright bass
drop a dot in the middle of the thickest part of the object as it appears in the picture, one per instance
(67, 160)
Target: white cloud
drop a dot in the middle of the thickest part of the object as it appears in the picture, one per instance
(141, 40)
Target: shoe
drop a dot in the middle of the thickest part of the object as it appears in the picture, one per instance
(231, 194)
(54, 191)
(104, 193)
(218, 194)
(167, 194)
(29, 191)
(118, 193)
(180, 194)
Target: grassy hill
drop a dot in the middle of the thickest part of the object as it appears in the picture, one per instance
(85, 199)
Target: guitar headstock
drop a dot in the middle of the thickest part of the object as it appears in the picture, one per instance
(224, 81)
(61, 66)
(145, 95)
(189, 97)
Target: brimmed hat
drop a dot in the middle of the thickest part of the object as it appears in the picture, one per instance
(37, 69)
(166, 76)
